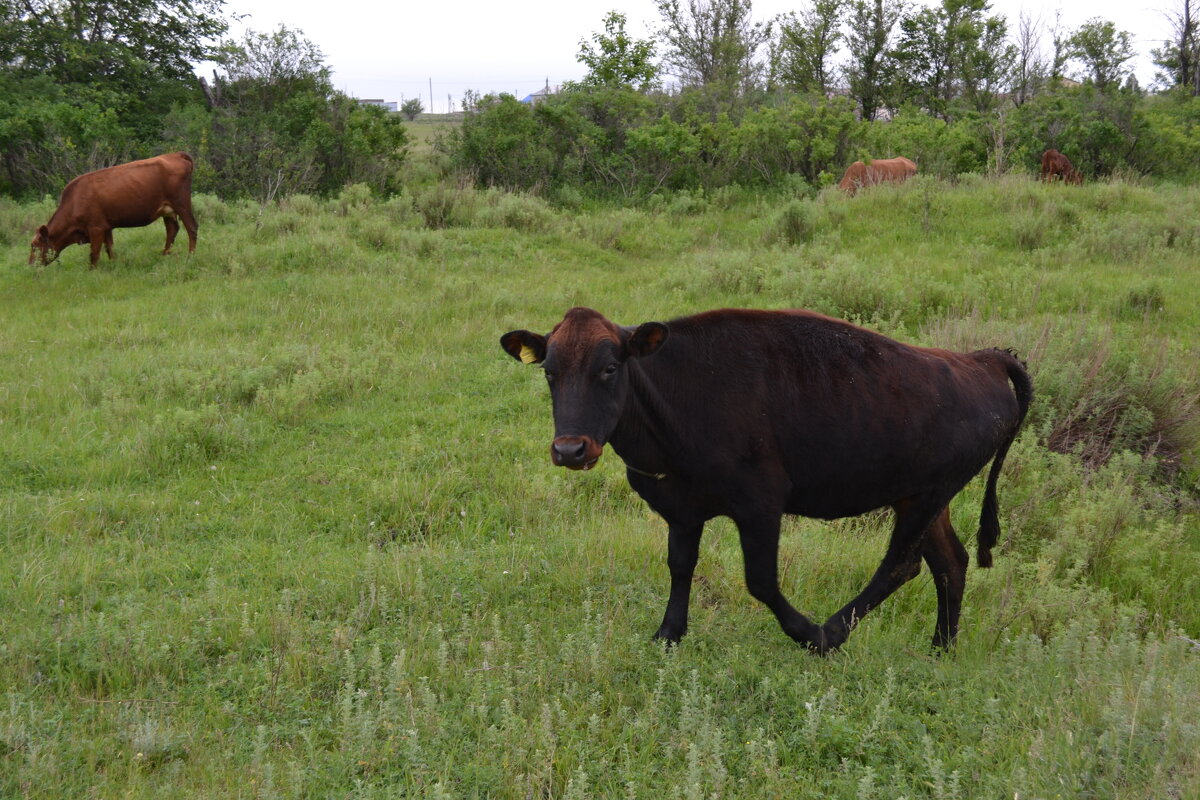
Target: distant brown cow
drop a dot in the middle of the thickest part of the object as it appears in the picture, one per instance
(881, 170)
(1055, 165)
(125, 196)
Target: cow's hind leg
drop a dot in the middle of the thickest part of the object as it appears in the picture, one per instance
(760, 552)
(108, 243)
(947, 560)
(683, 550)
(172, 230)
(901, 563)
(189, 223)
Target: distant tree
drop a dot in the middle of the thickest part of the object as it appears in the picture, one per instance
(277, 126)
(712, 43)
(87, 83)
(1060, 41)
(987, 60)
(128, 44)
(870, 68)
(273, 66)
(1179, 58)
(1102, 51)
(411, 109)
(806, 43)
(1029, 70)
(615, 59)
(950, 51)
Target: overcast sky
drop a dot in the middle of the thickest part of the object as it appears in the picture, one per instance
(394, 51)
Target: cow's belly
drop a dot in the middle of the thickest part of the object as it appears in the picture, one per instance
(138, 217)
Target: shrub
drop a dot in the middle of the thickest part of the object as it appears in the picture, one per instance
(795, 223)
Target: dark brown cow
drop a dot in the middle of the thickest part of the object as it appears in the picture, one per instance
(125, 196)
(757, 414)
(1055, 165)
(881, 170)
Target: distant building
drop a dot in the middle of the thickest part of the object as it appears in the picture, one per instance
(392, 106)
(539, 95)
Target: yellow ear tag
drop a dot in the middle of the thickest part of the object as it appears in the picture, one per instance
(527, 354)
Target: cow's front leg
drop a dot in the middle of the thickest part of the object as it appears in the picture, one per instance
(683, 551)
(760, 551)
(96, 240)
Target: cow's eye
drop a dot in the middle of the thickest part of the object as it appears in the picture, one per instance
(609, 371)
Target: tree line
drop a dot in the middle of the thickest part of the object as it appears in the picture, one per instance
(715, 98)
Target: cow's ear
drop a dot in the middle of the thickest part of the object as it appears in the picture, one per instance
(525, 346)
(646, 339)
(44, 233)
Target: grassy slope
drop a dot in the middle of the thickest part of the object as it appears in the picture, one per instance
(279, 519)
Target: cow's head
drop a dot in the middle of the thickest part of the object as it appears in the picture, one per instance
(586, 361)
(40, 244)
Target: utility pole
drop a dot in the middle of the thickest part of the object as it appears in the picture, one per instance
(431, 95)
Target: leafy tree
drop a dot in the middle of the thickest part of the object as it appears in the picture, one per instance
(277, 126)
(1102, 51)
(1099, 130)
(987, 61)
(952, 51)
(411, 109)
(871, 67)
(801, 55)
(615, 59)
(87, 83)
(712, 43)
(502, 143)
(134, 56)
(110, 41)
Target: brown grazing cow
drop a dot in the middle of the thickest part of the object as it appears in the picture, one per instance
(757, 414)
(881, 170)
(1055, 165)
(125, 196)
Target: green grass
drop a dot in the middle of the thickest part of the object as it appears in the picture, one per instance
(279, 519)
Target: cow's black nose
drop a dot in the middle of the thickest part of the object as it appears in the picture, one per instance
(571, 452)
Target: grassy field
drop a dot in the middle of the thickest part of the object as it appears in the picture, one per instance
(279, 520)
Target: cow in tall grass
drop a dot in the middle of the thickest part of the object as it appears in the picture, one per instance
(756, 414)
(1056, 166)
(125, 196)
(881, 170)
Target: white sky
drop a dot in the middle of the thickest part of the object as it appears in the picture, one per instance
(393, 51)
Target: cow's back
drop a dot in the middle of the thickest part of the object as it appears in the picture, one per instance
(129, 195)
(851, 418)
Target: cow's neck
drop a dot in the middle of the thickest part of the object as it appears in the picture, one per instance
(646, 437)
(59, 229)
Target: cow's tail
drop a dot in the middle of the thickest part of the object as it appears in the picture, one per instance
(989, 522)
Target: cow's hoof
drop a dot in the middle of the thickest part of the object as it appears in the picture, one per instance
(670, 638)
(832, 637)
